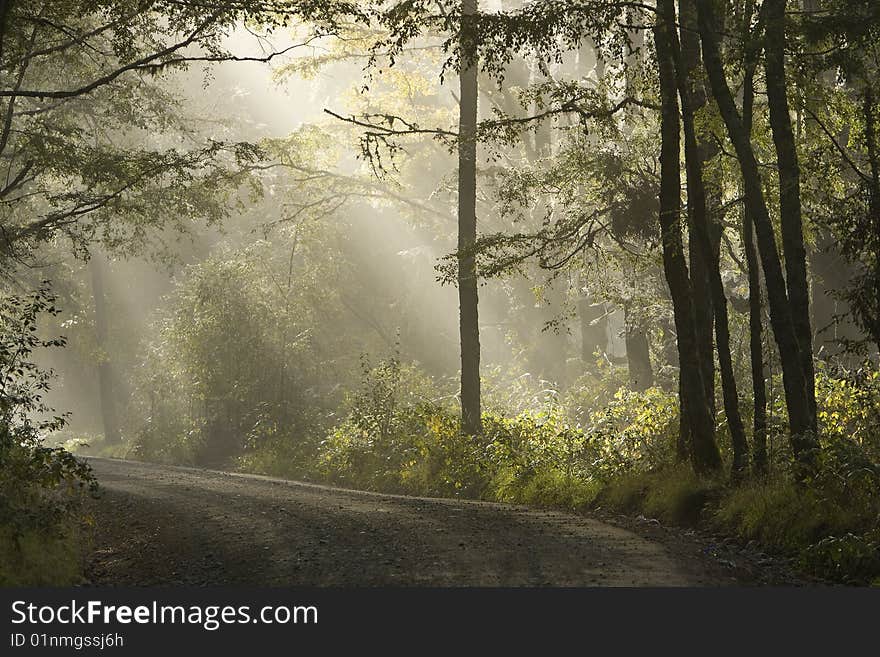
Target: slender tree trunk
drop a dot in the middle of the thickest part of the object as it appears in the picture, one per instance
(469, 327)
(756, 323)
(801, 419)
(703, 312)
(791, 222)
(756, 350)
(699, 222)
(870, 320)
(109, 417)
(700, 265)
(703, 448)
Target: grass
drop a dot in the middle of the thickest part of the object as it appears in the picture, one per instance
(546, 488)
(674, 495)
(778, 514)
(828, 538)
(40, 559)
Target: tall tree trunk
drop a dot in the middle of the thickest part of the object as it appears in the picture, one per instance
(694, 404)
(469, 327)
(703, 311)
(791, 222)
(801, 419)
(756, 350)
(699, 222)
(756, 323)
(870, 320)
(700, 265)
(109, 417)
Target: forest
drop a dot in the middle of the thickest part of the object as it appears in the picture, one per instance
(618, 259)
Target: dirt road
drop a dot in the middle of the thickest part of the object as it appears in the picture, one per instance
(169, 525)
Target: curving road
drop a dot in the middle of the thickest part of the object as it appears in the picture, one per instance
(171, 525)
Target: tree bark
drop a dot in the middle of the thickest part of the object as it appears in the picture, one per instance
(756, 323)
(694, 404)
(699, 222)
(756, 351)
(469, 329)
(699, 263)
(801, 419)
(109, 416)
(791, 220)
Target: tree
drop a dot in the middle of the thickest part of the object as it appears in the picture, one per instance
(106, 388)
(756, 322)
(702, 243)
(469, 328)
(841, 38)
(791, 222)
(694, 402)
(798, 389)
(93, 145)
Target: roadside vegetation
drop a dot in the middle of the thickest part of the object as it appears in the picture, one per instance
(571, 253)
(44, 536)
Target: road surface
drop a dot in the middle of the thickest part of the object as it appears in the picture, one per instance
(161, 525)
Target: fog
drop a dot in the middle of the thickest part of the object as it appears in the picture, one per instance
(396, 230)
(598, 258)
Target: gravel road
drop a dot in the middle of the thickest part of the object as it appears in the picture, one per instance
(161, 525)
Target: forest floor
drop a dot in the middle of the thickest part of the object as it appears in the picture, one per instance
(163, 525)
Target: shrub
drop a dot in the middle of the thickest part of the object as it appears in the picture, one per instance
(40, 487)
(850, 558)
(635, 431)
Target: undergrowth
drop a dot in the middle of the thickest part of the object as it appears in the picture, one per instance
(620, 457)
(42, 538)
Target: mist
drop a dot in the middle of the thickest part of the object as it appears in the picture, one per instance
(394, 242)
(602, 259)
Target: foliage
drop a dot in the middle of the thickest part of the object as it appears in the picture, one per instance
(637, 430)
(250, 357)
(395, 438)
(242, 360)
(95, 148)
(850, 558)
(40, 487)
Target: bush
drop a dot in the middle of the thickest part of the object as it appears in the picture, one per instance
(396, 438)
(40, 487)
(636, 431)
(850, 558)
